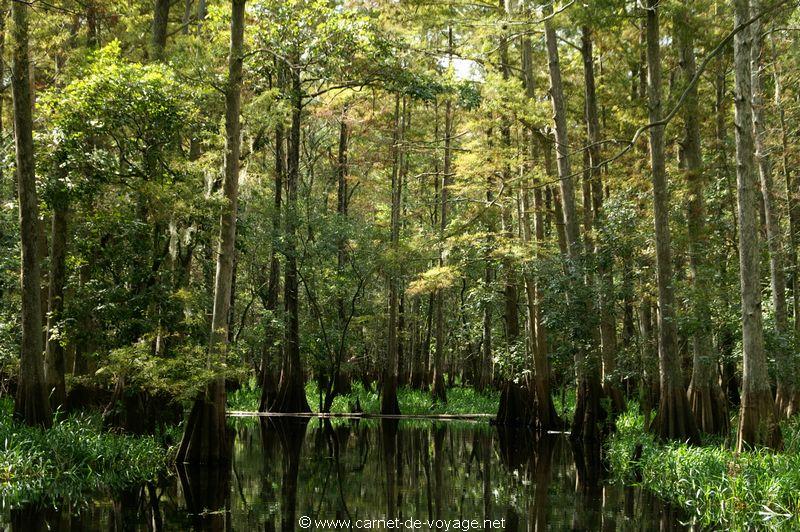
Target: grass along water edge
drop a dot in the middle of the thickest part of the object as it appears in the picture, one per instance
(75, 457)
(713, 483)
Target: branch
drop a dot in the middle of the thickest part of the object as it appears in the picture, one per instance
(692, 83)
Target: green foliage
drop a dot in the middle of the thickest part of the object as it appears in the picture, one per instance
(181, 375)
(716, 485)
(460, 400)
(75, 457)
(246, 398)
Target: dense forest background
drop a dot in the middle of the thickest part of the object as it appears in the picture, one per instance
(598, 199)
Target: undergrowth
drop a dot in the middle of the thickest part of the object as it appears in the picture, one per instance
(716, 485)
(460, 400)
(74, 457)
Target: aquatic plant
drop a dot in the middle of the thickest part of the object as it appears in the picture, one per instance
(715, 484)
(75, 457)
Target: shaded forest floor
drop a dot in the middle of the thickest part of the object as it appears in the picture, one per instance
(460, 400)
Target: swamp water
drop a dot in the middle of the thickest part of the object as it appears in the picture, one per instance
(294, 474)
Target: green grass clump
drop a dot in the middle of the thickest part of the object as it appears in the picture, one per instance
(460, 400)
(719, 487)
(72, 458)
(247, 398)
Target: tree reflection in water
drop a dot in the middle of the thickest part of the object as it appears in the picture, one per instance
(284, 468)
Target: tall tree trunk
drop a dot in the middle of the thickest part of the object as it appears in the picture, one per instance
(648, 358)
(588, 411)
(757, 419)
(516, 399)
(706, 398)
(31, 405)
(438, 392)
(291, 390)
(546, 416)
(339, 382)
(4, 10)
(269, 382)
(604, 258)
(205, 439)
(674, 420)
(389, 404)
(187, 16)
(54, 351)
(792, 405)
(424, 378)
(159, 35)
(783, 366)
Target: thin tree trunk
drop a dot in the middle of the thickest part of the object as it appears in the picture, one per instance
(54, 351)
(187, 16)
(604, 258)
(588, 411)
(389, 403)
(291, 390)
(791, 182)
(269, 382)
(546, 416)
(757, 419)
(784, 371)
(648, 357)
(674, 420)
(516, 399)
(424, 377)
(205, 439)
(31, 404)
(438, 392)
(706, 398)
(487, 365)
(159, 35)
(340, 383)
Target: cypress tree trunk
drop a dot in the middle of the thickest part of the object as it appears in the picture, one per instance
(438, 391)
(588, 411)
(340, 382)
(487, 367)
(159, 35)
(792, 405)
(269, 382)
(516, 399)
(205, 439)
(31, 404)
(757, 418)
(54, 351)
(605, 261)
(389, 403)
(783, 366)
(706, 399)
(674, 420)
(546, 417)
(291, 390)
(648, 386)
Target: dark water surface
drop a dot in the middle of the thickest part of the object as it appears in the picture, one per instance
(406, 473)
